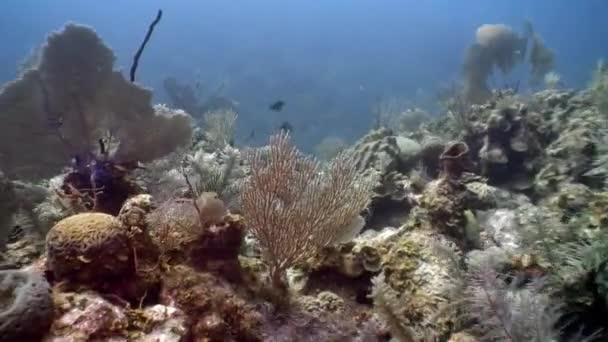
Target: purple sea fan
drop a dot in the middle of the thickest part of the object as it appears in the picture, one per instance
(70, 99)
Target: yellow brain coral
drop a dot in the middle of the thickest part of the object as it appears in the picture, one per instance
(88, 246)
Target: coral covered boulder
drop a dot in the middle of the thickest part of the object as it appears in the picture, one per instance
(88, 246)
(89, 317)
(26, 306)
(216, 311)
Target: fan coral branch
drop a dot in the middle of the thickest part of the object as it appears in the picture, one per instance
(294, 208)
(159, 15)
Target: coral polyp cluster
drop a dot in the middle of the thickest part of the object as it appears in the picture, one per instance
(88, 247)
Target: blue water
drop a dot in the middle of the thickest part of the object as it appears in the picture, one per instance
(329, 60)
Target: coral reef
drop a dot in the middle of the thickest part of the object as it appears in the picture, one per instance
(486, 224)
(26, 305)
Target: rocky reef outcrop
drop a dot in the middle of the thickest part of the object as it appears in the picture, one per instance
(26, 308)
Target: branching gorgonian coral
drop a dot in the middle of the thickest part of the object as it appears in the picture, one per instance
(219, 126)
(294, 207)
(505, 310)
(497, 46)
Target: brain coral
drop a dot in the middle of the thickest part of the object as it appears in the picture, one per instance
(88, 246)
(26, 306)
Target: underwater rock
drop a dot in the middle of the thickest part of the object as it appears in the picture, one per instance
(379, 155)
(463, 337)
(217, 249)
(571, 198)
(133, 212)
(353, 259)
(89, 316)
(409, 150)
(394, 195)
(501, 227)
(510, 145)
(174, 226)
(554, 98)
(377, 150)
(444, 203)
(21, 253)
(159, 323)
(88, 248)
(210, 243)
(217, 313)
(324, 301)
(432, 147)
(145, 282)
(299, 325)
(85, 316)
(26, 308)
(420, 270)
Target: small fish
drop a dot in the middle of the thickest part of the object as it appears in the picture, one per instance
(286, 127)
(277, 106)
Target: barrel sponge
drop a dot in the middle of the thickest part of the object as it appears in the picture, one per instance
(26, 306)
(88, 247)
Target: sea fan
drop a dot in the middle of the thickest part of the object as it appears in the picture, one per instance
(505, 310)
